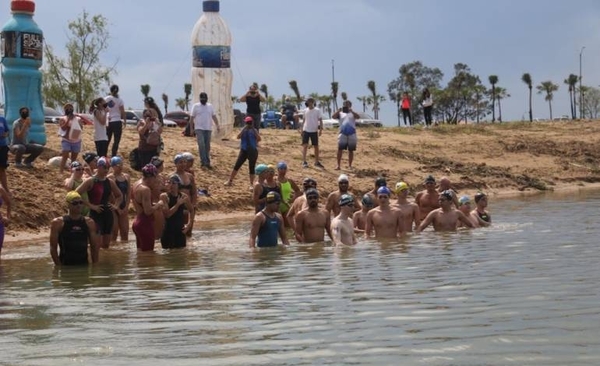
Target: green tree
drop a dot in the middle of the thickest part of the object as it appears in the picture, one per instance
(493, 79)
(501, 93)
(459, 99)
(145, 89)
(187, 90)
(296, 90)
(413, 78)
(181, 103)
(377, 98)
(526, 78)
(363, 100)
(591, 103)
(165, 99)
(549, 88)
(480, 102)
(79, 76)
(334, 93)
(571, 81)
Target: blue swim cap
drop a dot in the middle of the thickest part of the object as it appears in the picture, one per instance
(281, 165)
(116, 160)
(384, 190)
(464, 200)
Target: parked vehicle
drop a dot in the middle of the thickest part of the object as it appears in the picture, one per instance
(181, 118)
(51, 115)
(132, 117)
(331, 123)
(271, 119)
(367, 121)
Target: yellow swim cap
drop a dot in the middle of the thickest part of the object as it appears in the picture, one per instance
(400, 186)
(72, 196)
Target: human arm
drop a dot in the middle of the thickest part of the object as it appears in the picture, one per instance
(336, 230)
(330, 202)
(464, 219)
(257, 134)
(146, 202)
(117, 194)
(20, 129)
(428, 220)
(190, 208)
(355, 222)
(282, 233)
(256, 192)
(85, 187)
(7, 203)
(101, 117)
(320, 123)
(416, 215)
(290, 217)
(299, 227)
(369, 224)
(336, 115)
(123, 114)
(256, 224)
(328, 226)
(215, 120)
(55, 229)
(93, 239)
(399, 224)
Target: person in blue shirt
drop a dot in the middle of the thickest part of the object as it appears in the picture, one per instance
(4, 131)
(249, 139)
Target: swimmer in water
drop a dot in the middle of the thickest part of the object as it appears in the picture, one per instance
(445, 218)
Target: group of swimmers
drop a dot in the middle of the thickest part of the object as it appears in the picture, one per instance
(280, 205)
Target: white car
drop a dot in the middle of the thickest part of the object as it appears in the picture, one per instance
(367, 121)
(134, 116)
(331, 123)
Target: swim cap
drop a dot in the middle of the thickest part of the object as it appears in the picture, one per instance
(429, 179)
(380, 182)
(479, 196)
(343, 178)
(400, 186)
(311, 192)
(72, 196)
(384, 190)
(178, 158)
(89, 156)
(367, 200)
(309, 182)
(448, 194)
(116, 160)
(156, 161)
(75, 165)
(273, 197)
(103, 162)
(149, 170)
(188, 156)
(260, 168)
(281, 165)
(249, 119)
(270, 167)
(464, 200)
(175, 179)
(346, 199)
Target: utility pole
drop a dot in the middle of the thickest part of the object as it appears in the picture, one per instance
(581, 116)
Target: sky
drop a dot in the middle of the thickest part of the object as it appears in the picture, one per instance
(275, 41)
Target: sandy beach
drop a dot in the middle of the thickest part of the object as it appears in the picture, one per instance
(500, 159)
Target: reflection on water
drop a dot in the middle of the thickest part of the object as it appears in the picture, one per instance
(521, 292)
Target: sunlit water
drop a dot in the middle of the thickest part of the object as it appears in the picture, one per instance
(524, 292)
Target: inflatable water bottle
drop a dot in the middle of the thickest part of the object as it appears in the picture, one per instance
(22, 53)
(211, 72)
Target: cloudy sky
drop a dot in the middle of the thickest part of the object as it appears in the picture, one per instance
(275, 41)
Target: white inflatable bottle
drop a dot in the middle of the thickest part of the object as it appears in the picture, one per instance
(211, 72)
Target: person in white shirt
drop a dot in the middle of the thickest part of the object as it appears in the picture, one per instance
(347, 137)
(70, 129)
(202, 117)
(311, 130)
(99, 111)
(116, 118)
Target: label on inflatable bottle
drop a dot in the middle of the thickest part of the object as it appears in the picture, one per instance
(216, 57)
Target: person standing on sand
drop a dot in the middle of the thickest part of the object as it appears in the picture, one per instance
(342, 227)
(100, 193)
(300, 203)
(249, 139)
(409, 212)
(74, 234)
(360, 217)
(252, 98)
(483, 217)
(347, 139)
(176, 226)
(332, 204)
(384, 219)
(268, 224)
(116, 118)
(141, 196)
(5, 200)
(98, 109)
(445, 218)
(427, 103)
(312, 223)
(405, 106)
(70, 129)
(202, 118)
(428, 200)
(312, 128)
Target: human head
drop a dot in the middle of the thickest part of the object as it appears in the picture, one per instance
(347, 103)
(380, 182)
(310, 102)
(114, 89)
(102, 165)
(401, 189)
(347, 201)
(405, 95)
(464, 204)
(203, 98)
(253, 88)
(89, 157)
(173, 183)
(157, 162)
(189, 159)
(149, 171)
(343, 183)
(249, 120)
(76, 167)
(312, 197)
(444, 183)
(481, 199)
(74, 201)
(383, 192)
(116, 162)
(260, 169)
(446, 198)
(367, 201)
(68, 108)
(270, 172)
(287, 99)
(24, 112)
(308, 183)
(282, 167)
(430, 182)
(149, 101)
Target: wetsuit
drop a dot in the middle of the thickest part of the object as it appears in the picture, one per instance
(143, 228)
(265, 190)
(286, 195)
(73, 241)
(484, 216)
(269, 231)
(123, 187)
(173, 236)
(100, 195)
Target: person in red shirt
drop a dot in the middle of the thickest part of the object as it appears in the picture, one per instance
(405, 106)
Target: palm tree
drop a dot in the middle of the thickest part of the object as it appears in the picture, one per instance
(501, 93)
(363, 100)
(294, 86)
(493, 79)
(180, 102)
(265, 90)
(165, 99)
(571, 81)
(187, 89)
(526, 78)
(334, 93)
(145, 88)
(326, 103)
(376, 98)
(549, 88)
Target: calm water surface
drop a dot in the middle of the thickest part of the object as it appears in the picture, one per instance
(524, 292)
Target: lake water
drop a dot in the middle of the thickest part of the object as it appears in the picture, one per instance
(523, 292)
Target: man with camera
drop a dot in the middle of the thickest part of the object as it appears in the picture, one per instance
(347, 137)
(20, 141)
(252, 99)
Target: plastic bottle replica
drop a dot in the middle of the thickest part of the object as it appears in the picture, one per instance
(22, 53)
(211, 72)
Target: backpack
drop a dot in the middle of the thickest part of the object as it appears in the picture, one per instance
(134, 160)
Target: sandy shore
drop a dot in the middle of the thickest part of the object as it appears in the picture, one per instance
(500, 159)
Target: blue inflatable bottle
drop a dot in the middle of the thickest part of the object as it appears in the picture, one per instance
(22, 53)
